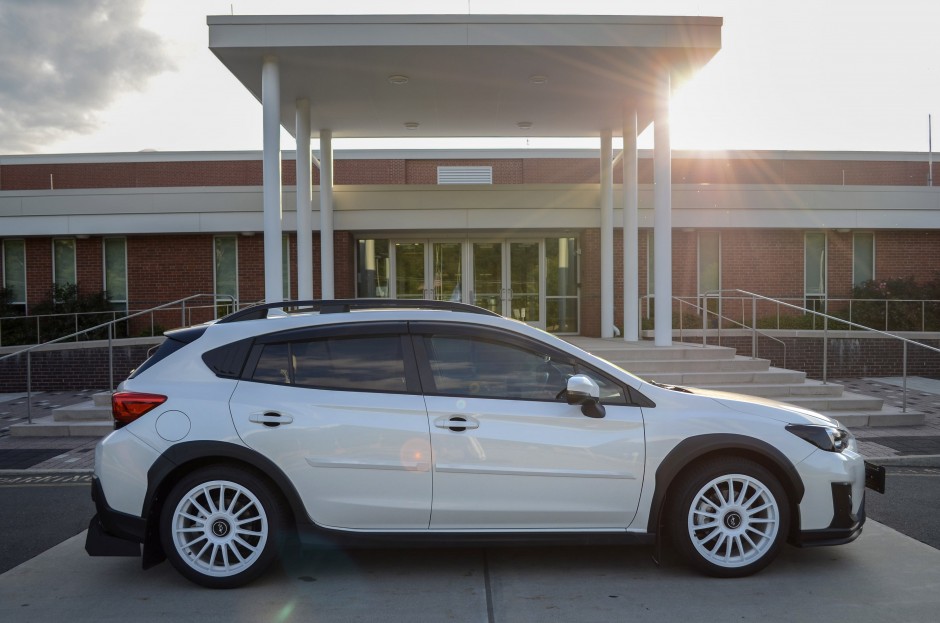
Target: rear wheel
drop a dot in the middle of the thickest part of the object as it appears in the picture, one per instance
(730, 517)
(218, 526)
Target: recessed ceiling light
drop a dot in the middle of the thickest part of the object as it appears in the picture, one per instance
(524, 125)
(398, 79)
(538, 79)
(411, 125)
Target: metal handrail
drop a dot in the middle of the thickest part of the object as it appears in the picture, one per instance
(755, 353)
(110, 325)
(755, 343)
(826, 318)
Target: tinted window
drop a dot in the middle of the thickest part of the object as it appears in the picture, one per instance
(469, 366)
(373, 363)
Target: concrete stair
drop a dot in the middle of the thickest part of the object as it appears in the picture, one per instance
(85, 419)
(720, 369)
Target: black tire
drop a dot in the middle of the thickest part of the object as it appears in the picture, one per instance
(219, 526)
(729, 517)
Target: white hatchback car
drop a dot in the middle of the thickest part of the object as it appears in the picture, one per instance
(384, 421)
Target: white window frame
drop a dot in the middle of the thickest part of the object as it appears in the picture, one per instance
(824, 268)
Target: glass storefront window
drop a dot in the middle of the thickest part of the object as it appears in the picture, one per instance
(561, 285)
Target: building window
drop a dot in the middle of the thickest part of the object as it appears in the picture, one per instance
(115, 272)
(863, 258)
(285, 266)
(373, 268)
(561, 285)
(814, 274)
(14, 272)
(226, 274)
(709, 262)
(63, 262)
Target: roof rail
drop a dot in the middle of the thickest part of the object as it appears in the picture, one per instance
(340, 306)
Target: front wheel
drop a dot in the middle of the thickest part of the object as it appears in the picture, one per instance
(218, 526)
(730, 517)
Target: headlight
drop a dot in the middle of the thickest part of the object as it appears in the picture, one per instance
(827, 438)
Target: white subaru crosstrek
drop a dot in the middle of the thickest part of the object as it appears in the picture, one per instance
(383, 421)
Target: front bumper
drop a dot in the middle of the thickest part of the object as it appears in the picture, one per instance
(846, 526)
(112, 533)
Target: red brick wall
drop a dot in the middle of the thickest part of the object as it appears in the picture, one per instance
(907, 253)
(505, 171)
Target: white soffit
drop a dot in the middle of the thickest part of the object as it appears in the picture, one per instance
(464, 75)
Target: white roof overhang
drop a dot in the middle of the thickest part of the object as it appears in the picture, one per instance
(368, 76)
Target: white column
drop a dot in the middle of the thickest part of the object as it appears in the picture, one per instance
(607, 235)
(631, 223)
(662, 204)
(271, 171)
(304, 211)
(326, 214)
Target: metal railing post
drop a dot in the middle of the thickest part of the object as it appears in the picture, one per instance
(29, 387)
(705, 322)
(904, 376)
(111, 357)
(183, 314)
(825, 349)
(753, 327)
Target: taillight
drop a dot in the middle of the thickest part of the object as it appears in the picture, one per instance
(128, 406)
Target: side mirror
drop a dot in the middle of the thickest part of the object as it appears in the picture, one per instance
(582, 390)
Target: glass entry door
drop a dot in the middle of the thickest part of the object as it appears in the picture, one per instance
(507, 279)
(429, 270)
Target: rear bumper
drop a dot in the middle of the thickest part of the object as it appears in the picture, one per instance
(112, 533)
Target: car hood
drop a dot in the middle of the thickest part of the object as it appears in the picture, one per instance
(764, 407)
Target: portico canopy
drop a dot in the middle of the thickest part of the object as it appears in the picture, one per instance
(374, 76)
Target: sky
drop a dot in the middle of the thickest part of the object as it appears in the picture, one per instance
(91, 76)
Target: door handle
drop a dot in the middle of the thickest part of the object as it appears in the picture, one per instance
(456, 423)
(271, 419)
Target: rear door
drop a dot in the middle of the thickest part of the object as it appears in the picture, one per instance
(339, 410)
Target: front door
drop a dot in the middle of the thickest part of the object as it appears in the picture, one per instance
(508, 453)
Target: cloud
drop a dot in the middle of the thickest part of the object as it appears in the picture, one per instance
(62, 62)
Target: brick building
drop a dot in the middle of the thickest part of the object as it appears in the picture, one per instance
(519, 232)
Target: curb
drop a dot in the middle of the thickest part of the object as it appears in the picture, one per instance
(922, 460)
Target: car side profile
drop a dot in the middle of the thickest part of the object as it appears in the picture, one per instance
(370, 421)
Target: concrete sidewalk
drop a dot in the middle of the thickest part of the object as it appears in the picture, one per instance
(883, 576)
(901, 445)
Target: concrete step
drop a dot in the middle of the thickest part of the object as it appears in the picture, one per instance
(844, 403)
(102, 399)
(82, 412)
(721, 380)
(621, 352)
(659, 366)
(887, 416)
(47, 426)
(780, 391)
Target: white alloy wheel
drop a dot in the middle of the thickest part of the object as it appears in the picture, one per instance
(732, 518)
(218, 526)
